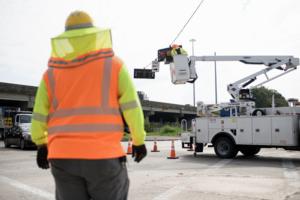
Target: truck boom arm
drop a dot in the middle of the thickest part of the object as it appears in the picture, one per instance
(284, 63)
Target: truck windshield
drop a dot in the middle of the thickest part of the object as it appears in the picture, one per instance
(25, 119)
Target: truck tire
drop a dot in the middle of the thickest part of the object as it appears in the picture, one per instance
(225, 148)
(22, 144)
(6, 143)
(258, 112)
(249, 151)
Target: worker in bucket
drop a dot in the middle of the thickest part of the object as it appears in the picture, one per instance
(177, 49)
(173, 51)
(77, 120)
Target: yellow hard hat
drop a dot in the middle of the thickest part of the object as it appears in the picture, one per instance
(77, 20)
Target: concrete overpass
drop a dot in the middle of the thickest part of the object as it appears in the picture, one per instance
(14, 95)
(22, 96)
(166, 112)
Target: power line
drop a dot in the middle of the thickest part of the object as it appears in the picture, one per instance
(187, 22)
(148, 65)
(182, 29)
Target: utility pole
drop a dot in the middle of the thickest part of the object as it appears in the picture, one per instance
(216, 90)
(194, 95)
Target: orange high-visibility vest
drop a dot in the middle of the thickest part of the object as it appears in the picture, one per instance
(84, 121)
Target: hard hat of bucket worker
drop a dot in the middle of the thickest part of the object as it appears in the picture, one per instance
(77, 20)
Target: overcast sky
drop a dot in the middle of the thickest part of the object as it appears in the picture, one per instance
(140, 28)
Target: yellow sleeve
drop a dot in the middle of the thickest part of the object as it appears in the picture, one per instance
(40, 115)
(131, 107)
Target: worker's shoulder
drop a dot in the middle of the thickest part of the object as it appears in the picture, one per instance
(46, 73)
(117, 60)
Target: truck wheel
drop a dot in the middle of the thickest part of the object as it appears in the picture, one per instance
(249, 151)
(6, 143)
(225, 148)
(22, 144)
(258, 112)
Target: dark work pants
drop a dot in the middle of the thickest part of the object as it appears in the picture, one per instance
(90, 179)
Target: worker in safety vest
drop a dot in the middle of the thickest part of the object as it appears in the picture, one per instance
(77, 120)
(176, 50)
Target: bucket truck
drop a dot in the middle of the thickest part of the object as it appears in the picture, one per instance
(246, 129)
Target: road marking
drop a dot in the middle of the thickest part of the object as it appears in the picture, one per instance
(179, 188)
(169, 193)
(27, 188)
(220, 164)
(290, 172)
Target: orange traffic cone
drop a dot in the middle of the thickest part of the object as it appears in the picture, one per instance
(154, 146)
(172, 153)
(129, 148)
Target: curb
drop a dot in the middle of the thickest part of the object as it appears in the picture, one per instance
(161, 138)
(158, 138)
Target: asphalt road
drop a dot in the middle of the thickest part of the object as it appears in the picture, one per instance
(273, 174)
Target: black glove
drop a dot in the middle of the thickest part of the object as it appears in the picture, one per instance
(41, 157)
(139, 152)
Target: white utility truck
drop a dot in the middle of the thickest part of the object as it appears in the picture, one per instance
(17, 129)
(237, 125)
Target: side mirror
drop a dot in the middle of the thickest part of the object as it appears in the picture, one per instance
(17, 120)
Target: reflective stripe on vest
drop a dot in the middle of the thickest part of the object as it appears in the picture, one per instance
(129, 105)
(106, 83)
(60, 62)
(75, 128)
(52, 88)
(84, 111)
(39, 117)
(103, 108)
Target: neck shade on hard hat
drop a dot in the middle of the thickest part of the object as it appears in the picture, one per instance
(74, 43)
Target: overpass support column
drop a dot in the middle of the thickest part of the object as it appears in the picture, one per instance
(30, 102)
(177, 120)
(147, 114)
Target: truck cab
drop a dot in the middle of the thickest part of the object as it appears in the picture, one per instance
(23, 121)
